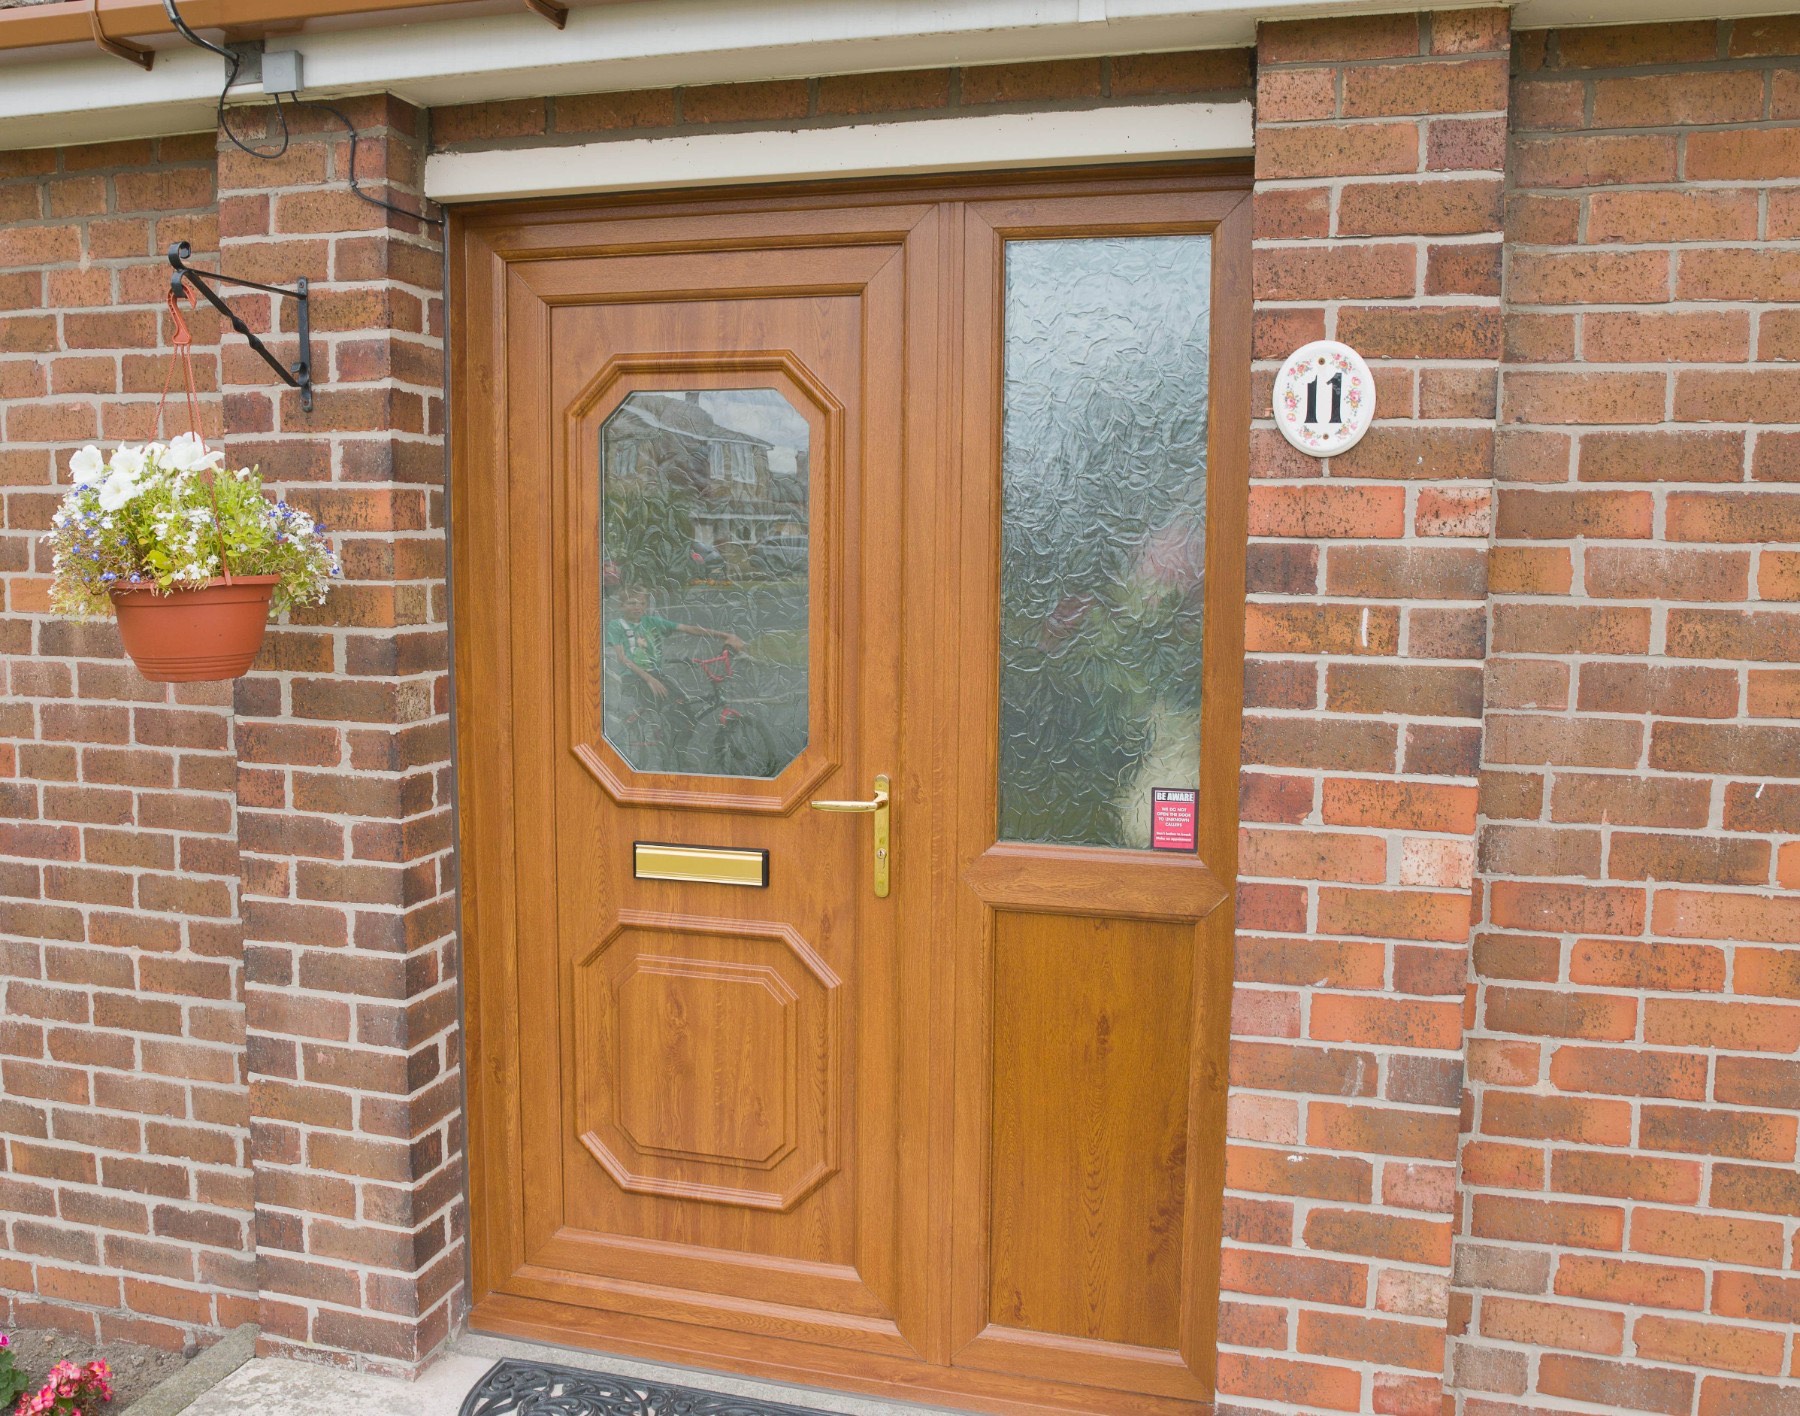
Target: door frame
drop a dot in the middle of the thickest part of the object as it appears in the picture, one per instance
(482, 242)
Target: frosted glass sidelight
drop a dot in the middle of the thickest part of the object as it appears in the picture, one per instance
(703, 568)
(1102, 547)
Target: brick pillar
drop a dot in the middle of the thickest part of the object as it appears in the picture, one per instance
(1379, 152)
(344, 761)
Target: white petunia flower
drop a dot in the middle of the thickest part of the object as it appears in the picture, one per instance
(129, 460)
(117, 490)
(187, 454)
(87, 465)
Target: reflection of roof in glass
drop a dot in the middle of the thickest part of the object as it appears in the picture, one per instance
(761, 412)
(672, 413)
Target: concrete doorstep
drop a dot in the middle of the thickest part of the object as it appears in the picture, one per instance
(177, 1392)
(274, 1386)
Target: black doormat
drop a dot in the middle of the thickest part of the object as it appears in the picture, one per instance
(515, 1388)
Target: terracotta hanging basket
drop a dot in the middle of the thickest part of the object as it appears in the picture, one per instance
(147, 557)
(211, 632)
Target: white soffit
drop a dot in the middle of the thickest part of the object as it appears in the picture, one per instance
(1567, 14)
(61, 101)
(965, 144)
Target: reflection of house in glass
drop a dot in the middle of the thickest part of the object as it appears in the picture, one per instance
(704, 581)
(746, 494)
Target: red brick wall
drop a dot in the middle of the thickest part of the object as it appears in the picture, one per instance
(125, 1182)
(1629, 1189)
(1379, 149)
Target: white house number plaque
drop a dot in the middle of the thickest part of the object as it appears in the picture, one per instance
(1324, 398)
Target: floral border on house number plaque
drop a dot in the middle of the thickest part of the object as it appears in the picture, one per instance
(1324, 398)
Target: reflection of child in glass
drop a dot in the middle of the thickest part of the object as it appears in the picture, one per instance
(636, 637)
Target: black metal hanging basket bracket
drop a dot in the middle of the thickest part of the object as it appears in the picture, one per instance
(299, 375)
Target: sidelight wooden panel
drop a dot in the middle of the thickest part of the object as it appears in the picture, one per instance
(962, 1143)
(1090, 1127)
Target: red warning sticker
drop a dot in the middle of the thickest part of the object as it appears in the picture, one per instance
(1174, 818)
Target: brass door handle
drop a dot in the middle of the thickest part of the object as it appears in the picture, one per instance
(877, 806)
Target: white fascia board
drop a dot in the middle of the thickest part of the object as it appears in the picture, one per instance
(661, 43)
(965, 144)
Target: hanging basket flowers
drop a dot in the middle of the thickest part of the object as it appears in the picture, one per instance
(192, 558)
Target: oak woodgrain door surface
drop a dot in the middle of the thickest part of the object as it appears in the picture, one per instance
(758, 497)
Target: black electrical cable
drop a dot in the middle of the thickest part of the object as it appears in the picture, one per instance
(233, 62)
(355, 186)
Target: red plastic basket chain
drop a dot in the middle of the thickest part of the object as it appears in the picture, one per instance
(181, 352)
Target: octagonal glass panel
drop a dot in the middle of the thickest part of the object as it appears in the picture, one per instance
(705, 498)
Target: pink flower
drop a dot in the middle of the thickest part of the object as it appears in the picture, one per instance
(67, 1389)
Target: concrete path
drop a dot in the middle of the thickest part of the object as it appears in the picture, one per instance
(271, 1385)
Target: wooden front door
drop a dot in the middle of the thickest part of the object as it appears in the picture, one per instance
(763, 502)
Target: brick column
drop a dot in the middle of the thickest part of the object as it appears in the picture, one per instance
(1379, 152)
(344, 762)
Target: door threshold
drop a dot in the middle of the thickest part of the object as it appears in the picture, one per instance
(828, 1403)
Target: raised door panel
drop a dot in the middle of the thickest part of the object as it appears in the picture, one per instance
(1090, 1127)
(706, 1059)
